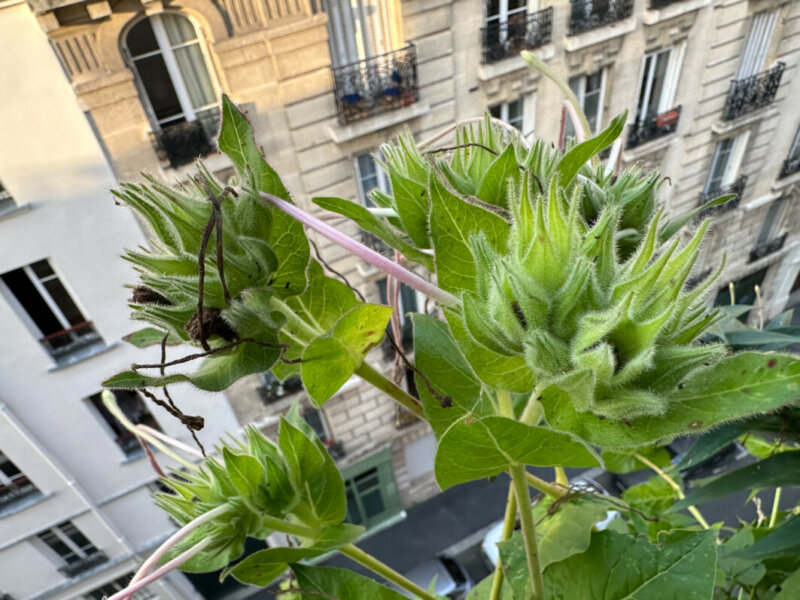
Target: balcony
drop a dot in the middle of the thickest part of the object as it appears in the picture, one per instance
(767, 248)
(750, 93)
(522, 31)
(737, 187)
(790, 166)
(83, 564)
(651, 128)
(591, 14)
(376, 85)
(63, 345)
(181, 143)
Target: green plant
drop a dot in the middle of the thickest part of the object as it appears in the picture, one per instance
(569, 339)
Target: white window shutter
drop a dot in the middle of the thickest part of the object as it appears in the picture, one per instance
(736, 158)
(667, 100)
(756, 48)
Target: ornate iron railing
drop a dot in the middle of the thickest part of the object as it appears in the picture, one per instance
(766, 248)
(653, 127)
(181, 143)
(522, 31)
(750, 93)
(84, 564)
(376, 85)
(591, 14)
(737, 187)
(790, 166)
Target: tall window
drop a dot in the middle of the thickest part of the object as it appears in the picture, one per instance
(112, 587)
(499, 13)
(133, 407)
(759, 39)
(14, 485)
(725, 163)
(519, 113)
(770, 229)
(60, 324)
(407, 303)
(658, 82)
(169, 61)
(371, 491)
(358, 29)
(371, 177)
(589, 89)
(6, 200)
(73, 548)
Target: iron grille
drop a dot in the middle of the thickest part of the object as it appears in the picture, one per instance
(181, 143)
(84, 564)
(790, 166)
(737, 187)
(750, 93)
(376, 85)
(645, 130)
(591, 14)
(522, 31)
(767, 248)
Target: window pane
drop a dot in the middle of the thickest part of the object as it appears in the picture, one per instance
(32, 301)
(77, 537)
(373, 503)
(591, 106)
(42, 269)
(367, 480)
(158, 86)
(8, 468)
(58, 546)
(368, 174)
(179, 29)
(719, 164)
(63, 300)
(496, 111)
(141, 39)
(195, 76)
(515, 113)
(314, 419)
(769, 230)
(658, 83)
(492, 8)
(353, 512)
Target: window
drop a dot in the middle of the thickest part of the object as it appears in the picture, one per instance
(371, 177)
(590, 90)
(520, 113)
(792, 162)
(407, 303)
(112, 587)
(316, 420)
(371, 491)
(499, 13)
(6, 200)
(771, 227)
(54, 315)
(725, 164)
(358, 29)
(132, 405)
(759, 39)
(658, 82)
(173, 74)
(14, 485)
(73, 548)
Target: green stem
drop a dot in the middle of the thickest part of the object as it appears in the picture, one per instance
(398, 394)
(775, 505)
(293, 319)
(287, 527)
(385, 571)
(692, 509)
(504, 404)
(561, 477)
(508, 529)
(543, 486)
(519, 481)
(533, 412)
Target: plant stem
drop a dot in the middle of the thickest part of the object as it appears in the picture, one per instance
(692, 509)
(561, 477)
(543, 486)
(292, 318)
(385, 571)
(168, 440)
(176, 562)
(533, 412)
(398, 394)
(519, 481)
(384, 264)
(175, 538)
(504, 404)
(508, 529)
(287, 527)
(775, 505)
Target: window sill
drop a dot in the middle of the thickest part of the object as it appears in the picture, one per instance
(759, 202)
(341, 134)
(14, 211)
(487, 72)
(725, 127)
(785, 182)
(573, 43)
(651, 147)
(24, 503)
(653, 16)
(82, 355)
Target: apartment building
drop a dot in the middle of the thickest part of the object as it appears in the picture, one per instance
(707, 85)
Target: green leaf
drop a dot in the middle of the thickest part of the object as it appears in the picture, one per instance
(712, 442)
(573, 160)
(494, 185)
(264, 566)
(783, 541)
(743, 571)
(245, 471)
(620, 567)
(411, 203)
(754, 337)
(339, 583)
(150, 336)
(453, 221)
(334, 536)
(215, 374)
(775, 471)
(473, 449)
(623, 462)
(790, 588)
(736, 387)
(652, 497)
(369, 222)
(672, 227)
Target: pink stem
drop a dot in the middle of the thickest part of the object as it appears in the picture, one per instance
(151, 457)
(174, 539)
(576, 122)
(384, 264)
(176, 562)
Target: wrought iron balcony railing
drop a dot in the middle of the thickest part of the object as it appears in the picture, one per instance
(654, 127)
(767, 248)
(376, 85)
(591, 14)
(737, 187)
(64, 343)
(750, 93)
(522, 31)
(181, 143)
(790, 166)
(85, 563)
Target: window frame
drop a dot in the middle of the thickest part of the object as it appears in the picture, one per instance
(382, 462)
(794, 149)
(757, 43)
(730, 172)
(117, 432)
(79, 553)
(382, 178)
(503, 15)
(581, 96)
(773, 221)
(11, 483)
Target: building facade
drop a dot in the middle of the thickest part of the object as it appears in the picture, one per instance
(707, 85)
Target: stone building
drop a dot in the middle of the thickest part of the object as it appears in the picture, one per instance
(707, 85)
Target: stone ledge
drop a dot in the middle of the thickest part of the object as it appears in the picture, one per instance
(648, 148)
(487, 72)
(341, 134)
(721, 127)
(653, 16)
(759, 202)
(573, 43)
